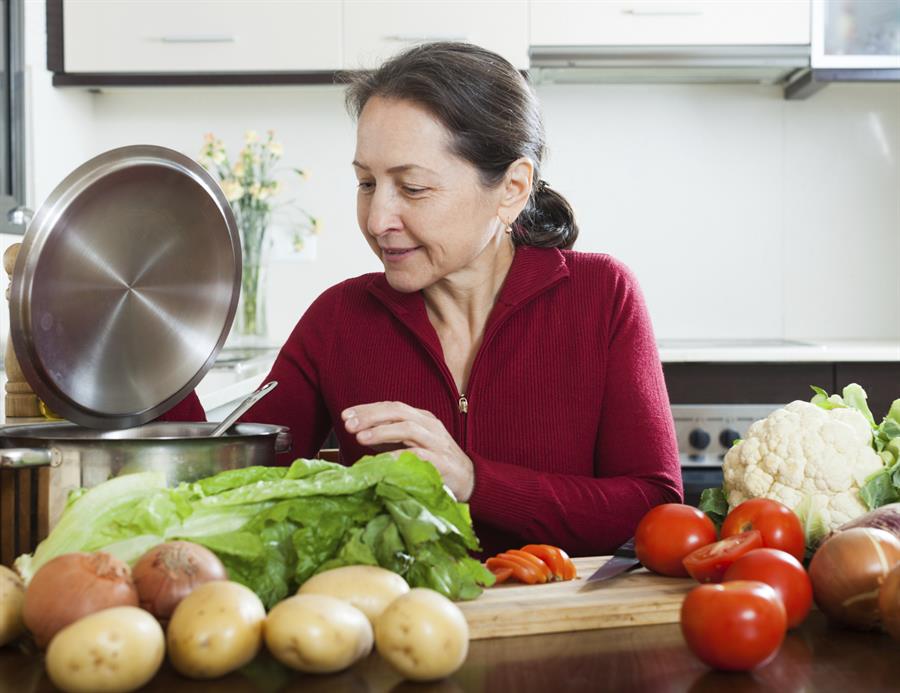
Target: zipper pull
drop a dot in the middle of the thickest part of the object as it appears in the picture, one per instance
(463, 404)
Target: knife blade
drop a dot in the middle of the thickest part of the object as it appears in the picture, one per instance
(623, 560)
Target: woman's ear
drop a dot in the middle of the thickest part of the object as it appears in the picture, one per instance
(516, 188)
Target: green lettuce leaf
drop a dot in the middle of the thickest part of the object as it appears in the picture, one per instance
(714, 503)
(113, 510)
(273, 528)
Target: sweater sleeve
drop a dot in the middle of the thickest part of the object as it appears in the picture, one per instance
(297, 402)
(636, 463)
(188, 409)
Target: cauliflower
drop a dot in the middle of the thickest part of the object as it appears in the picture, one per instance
(804, 455)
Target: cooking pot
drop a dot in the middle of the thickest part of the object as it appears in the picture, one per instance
(123, 293)
(181, 451)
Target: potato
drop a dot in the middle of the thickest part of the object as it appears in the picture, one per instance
(217, 628)
(423, 635)
(12, 598)
(367, 587)
(317, 633)
(117, 649)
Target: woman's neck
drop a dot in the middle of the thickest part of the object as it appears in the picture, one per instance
(462, 302)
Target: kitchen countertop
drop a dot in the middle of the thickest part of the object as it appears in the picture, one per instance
(814, 657)
(776, 351)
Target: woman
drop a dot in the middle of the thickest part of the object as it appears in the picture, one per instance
(527, 373)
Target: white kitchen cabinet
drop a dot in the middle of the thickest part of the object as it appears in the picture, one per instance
(201, 36)
(669, 22)
(377, 29)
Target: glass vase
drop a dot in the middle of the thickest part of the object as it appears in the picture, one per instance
(250, 326)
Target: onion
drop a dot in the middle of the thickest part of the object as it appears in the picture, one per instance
(847, 572)
(169, 572)
(889, 603)
(74, 585)
(887, 517)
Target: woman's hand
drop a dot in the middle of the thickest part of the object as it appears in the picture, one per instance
(421, 432)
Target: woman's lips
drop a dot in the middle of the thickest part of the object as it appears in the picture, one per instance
(397, 254)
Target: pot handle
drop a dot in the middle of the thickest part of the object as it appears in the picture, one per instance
(16, 458)
(283, 441)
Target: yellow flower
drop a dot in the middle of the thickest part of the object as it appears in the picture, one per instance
(209, 138)
(218, 156)
(251, 136)
(232, 189)
(254, 190)
(238, 168)
(276, 149)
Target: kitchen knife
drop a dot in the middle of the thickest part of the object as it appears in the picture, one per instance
(622, 561)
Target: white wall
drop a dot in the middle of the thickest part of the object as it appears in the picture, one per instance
(744, 215)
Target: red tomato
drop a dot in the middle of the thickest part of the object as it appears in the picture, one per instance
(709, 563)
(668, 533)
(779, 525)
(782, 572)
(735, 626)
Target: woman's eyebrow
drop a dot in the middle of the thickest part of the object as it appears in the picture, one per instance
(396, 169)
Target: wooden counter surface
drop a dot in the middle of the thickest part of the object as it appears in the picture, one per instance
(816, 657)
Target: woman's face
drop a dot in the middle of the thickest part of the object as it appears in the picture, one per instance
(422, 209)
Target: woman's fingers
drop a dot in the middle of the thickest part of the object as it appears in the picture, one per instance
(410, 433)
(364, 416)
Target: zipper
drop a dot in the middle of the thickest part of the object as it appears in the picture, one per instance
(463, 420)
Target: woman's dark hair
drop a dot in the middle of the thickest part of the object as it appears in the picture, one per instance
(493, 118)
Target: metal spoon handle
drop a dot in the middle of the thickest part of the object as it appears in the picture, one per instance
(229, 420)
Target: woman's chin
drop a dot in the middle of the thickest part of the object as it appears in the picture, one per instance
(404, 282)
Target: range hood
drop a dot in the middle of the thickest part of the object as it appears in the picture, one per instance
(732, 64)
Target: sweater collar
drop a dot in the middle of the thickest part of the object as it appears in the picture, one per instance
(533, 271)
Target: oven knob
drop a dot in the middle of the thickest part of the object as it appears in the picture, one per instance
(698, 439)
(727, 438)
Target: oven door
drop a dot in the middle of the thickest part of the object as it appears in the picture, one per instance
(705, 433)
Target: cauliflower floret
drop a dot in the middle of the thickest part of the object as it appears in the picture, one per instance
(805, 451)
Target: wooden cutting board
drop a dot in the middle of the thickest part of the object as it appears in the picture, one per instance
(633, 599)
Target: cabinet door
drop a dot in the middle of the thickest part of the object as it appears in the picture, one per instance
(376, 29)
(669, 22)
(172, 36)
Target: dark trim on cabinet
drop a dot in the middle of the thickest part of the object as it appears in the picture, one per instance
(192, 79)
(55, 52)
(745, 383)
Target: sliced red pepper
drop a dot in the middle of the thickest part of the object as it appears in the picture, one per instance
(501, 575)
(551, 555)
(539, 564)
(521, 571)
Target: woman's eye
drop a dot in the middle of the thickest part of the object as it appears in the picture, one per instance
(412, 190)
(365, 186)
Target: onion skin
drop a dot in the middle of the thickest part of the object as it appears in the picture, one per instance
(168, 573)
(889, 603)
(72, 586)
(847, 573)
(887, 517)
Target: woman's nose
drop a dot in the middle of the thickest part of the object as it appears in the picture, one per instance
(382, 216)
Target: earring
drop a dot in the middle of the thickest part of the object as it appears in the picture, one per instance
(508, 226)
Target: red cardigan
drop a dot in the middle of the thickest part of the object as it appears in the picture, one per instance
(568, 422)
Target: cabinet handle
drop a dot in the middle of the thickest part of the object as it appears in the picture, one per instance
(196, 38)
(412, 38)
(663, 13)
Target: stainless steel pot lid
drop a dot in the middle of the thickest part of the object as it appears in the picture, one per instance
(125, 287)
